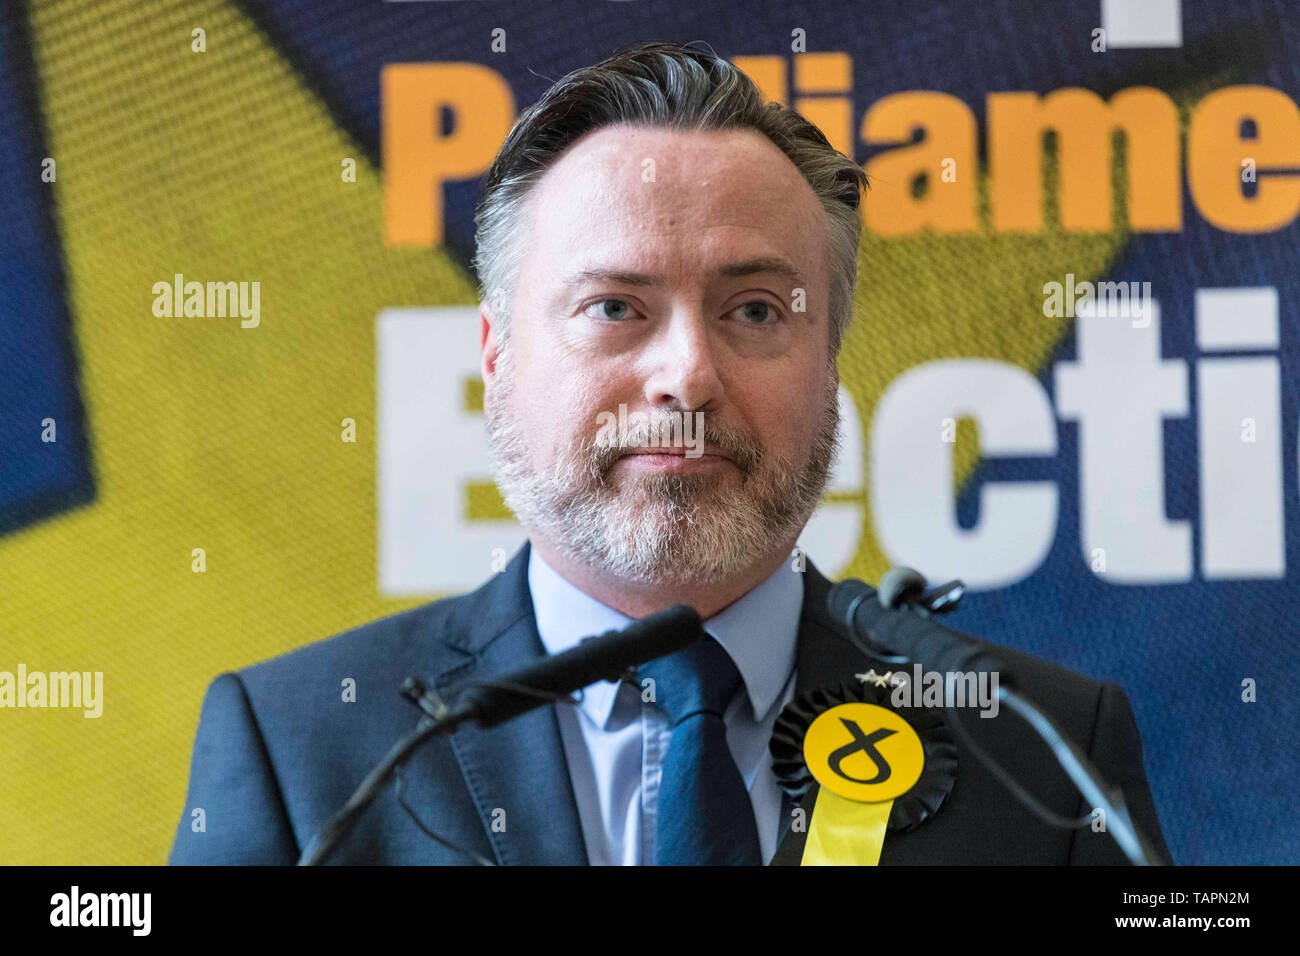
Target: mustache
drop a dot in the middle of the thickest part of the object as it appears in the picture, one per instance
(716, 436)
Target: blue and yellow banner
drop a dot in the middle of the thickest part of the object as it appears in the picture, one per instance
(234, 246)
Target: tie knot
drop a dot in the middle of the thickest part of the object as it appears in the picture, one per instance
(701, 677)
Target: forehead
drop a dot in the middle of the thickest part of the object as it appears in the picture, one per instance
(683, 199)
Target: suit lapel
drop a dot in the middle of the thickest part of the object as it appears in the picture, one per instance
(515, 772)
(825, 654)
(825, 657)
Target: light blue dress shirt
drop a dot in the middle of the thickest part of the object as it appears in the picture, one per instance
(615, 743)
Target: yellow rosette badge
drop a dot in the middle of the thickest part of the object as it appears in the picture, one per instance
(878, 768)
(863, 756)
(864, 753)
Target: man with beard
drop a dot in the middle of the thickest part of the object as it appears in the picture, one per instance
(654, 238)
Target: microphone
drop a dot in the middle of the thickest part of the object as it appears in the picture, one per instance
(897, 621)
(604, 657)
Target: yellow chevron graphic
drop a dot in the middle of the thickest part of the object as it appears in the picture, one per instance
(221, 166)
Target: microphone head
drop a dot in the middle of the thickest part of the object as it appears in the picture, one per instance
(901, 586)
(842, 596)
(662, 633)
(603, 657)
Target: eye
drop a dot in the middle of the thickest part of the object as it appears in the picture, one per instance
(609, 310)
(756, 312)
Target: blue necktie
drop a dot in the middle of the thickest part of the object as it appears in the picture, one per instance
(704, 813)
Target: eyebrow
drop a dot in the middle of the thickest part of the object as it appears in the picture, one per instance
(732, 270)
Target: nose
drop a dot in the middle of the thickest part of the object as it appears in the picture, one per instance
(683, 371)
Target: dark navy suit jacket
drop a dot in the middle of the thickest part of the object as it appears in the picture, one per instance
(278, 751)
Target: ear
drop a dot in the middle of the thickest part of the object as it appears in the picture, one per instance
(488, 348)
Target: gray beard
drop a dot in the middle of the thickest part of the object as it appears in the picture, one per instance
(659, 529)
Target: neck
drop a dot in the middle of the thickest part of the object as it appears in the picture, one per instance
(636, 599)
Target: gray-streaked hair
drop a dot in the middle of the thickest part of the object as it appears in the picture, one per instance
(664, 85)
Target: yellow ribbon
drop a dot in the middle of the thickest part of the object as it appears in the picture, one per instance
(845, 832)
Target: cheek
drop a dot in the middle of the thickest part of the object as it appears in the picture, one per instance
(782, 408)
(556, 399)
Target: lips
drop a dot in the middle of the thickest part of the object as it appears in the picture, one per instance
(674, 452)
(672, 461)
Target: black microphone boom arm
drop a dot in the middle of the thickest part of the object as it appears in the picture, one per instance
(897, 624)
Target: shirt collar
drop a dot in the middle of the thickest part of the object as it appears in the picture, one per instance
(759, 631)
(565, 615)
